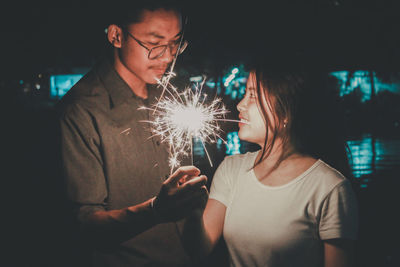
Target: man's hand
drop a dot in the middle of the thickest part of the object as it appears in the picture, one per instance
(183, 192)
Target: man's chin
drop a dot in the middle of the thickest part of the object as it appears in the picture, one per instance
(154, 79)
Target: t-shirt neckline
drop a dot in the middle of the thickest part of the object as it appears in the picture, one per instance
(293, 181)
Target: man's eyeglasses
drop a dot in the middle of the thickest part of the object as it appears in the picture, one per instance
(176, 48)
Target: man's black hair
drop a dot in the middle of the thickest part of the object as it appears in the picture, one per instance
(127, 12)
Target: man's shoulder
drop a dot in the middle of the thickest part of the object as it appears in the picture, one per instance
(88, 87)
(88, 92)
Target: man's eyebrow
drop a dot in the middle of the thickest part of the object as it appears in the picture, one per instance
(158, 36)
(155, 34)
(179, 33)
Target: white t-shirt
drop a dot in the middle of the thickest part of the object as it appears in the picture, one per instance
(282, 225)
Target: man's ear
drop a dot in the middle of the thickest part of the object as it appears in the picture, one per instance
(114, 35)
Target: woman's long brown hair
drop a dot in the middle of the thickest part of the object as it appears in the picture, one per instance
(306, 114)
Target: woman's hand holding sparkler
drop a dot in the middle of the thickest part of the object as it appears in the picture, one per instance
(181, 194)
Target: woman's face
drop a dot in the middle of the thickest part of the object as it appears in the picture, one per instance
(252, 127)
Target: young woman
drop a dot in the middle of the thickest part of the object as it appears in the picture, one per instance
(286, 204)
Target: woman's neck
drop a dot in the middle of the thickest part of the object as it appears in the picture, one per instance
(274, 171)
(274, 158)
(277, 152)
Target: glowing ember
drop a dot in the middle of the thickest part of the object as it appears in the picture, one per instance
(181, 116)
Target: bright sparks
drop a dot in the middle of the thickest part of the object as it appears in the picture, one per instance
(181, 116)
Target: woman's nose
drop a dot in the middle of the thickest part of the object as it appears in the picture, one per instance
(240, 105)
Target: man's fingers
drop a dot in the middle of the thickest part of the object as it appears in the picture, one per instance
(195, 181)
(184, 179)
(179, 173)
(204, 188)
(194, 197)
(184, 201)
(190, 187)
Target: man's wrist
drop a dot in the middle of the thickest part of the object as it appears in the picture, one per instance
(195, 215)
(156, 215)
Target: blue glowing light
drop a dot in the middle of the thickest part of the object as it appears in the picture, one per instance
(198, 148)
(235, 82)
(61, 83)
(210, 84)
(369, 155)
(363, 81)
(233, 146)
(361, 155)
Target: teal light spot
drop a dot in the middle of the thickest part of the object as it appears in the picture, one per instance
(233, 143)
(235, 82)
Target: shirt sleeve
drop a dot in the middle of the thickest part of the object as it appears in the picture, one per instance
(221, 186)
(82, 162)
(339, 215)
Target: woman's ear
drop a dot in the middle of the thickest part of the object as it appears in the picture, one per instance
(114, 34)
(285, 122)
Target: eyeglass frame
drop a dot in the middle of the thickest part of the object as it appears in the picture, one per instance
(182, 43)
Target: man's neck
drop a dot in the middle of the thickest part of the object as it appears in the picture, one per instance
(137, 85)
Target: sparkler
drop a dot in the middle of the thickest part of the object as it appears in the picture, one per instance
(181, 116)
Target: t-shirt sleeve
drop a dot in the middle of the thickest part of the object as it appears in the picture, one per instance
(339, 214)
(221, 186)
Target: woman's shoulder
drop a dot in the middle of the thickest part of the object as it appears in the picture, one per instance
(236, 164)
(231, 169)
(327, 176)
(238, 160)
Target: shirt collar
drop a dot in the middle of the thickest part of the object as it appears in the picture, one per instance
(117, 88)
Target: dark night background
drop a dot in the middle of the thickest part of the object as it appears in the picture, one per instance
(39, 39)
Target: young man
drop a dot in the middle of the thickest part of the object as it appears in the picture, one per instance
(113, 169)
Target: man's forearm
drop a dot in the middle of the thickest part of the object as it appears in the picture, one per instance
(175, 201)
(107, 228)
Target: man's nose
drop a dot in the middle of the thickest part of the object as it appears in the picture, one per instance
(168, 56)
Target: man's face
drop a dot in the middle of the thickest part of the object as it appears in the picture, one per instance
(157, 27)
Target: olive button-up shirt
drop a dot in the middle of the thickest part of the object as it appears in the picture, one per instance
(110, 161)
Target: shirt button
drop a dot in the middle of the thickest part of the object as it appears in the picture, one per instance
(157, 143)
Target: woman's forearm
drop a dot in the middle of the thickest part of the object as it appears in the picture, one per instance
(196, 241)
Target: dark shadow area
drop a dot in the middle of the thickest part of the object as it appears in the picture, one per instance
(331, 35)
